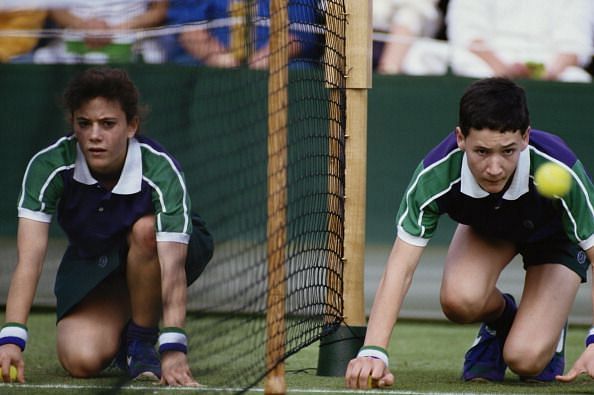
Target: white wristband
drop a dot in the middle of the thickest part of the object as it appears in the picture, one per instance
(374, 352)
(590, 337)
(173, 339)
(13, 333)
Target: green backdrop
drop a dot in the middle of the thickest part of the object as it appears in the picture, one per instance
(407, 116)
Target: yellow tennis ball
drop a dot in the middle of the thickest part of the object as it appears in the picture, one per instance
(372, 383)
(12, 373)
(552, 180)
(536, 69)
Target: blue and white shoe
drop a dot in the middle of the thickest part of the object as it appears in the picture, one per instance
(143, 361)
(555, 367)
(484, 360)
(119, 361)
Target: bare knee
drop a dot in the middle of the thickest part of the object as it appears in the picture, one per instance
(82, 361)
(142, 236)
(87, 345)
(461, 308)
(526, 358)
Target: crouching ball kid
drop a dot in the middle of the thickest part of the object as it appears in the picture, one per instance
(133, 243)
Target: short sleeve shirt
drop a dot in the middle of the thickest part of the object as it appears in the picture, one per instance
(443, 184)
(58, 181)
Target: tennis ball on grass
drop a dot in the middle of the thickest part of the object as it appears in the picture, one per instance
(552, 180)
(372, 383)
(12, 373)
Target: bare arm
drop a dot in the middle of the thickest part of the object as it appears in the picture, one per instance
(203, 46)
(259, 59)
(32, 240)
(65, 18)
(500, 68)
(590, 253)
(68, 20)
(585, 363)
(172, 258)
(560, 63)
(154, 16)
(393, 287)
(395, 51)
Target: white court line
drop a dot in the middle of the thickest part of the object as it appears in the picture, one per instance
(224, 389)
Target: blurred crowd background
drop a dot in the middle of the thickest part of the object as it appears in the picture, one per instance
(472, 38)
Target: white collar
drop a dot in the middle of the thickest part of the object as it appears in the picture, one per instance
(130, 179)
(517, 188)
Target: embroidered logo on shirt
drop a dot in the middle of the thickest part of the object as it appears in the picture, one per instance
(581, 257)
(102, 262)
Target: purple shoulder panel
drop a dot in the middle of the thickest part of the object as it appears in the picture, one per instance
(552, 145)
(442, 150)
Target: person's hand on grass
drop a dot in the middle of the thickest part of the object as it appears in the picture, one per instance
(175, 370)
(11, 355)
(584, 365)
(366, 372)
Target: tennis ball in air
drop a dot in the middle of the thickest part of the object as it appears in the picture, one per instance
(552, 180)
(12, 373)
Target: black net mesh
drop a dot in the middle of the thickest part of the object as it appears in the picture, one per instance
(211, 110)
(228, 172)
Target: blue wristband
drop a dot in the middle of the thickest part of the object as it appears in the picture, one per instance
(590, 337)
(14, 333)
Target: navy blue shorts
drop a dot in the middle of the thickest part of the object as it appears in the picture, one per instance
(556, 250)
(77, 276)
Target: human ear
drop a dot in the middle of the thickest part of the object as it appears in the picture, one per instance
(133, 127)
(460, 139)
(525, 138)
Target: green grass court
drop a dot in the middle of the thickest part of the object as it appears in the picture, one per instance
(426, 357)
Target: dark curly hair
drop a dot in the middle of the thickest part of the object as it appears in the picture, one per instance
(494, 103)
(110, 83)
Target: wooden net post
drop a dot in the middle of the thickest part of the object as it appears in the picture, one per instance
(358, 66)
(334, 75)
(238, 11)
(277, 196)
(337, 349)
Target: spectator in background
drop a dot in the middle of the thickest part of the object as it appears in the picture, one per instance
(221, 42)
(203, 50)
(102, 32)
(405, 21)
(590, 66)
(520, 38)
(19, 48)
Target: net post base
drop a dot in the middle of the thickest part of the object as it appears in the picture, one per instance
(338, 348)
